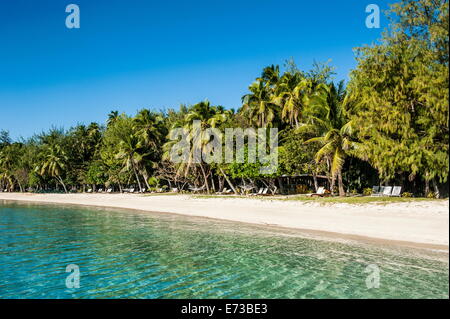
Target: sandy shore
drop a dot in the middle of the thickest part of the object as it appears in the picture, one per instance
(422, 223)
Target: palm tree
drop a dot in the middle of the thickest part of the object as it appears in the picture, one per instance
(329, 124)
(112, 117)
(199, 117)
(54, 163)
(148, 126)
(258, 106)
(131, 153)
(292, 96)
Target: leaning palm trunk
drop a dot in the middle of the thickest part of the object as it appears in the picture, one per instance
(316, 184)
(145, 176)
(137, 177)
(341, 185)
(228, 180)
(205, 178)
(437, 194)
(60, 180)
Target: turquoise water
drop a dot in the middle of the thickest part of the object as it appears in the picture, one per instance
(129, 254)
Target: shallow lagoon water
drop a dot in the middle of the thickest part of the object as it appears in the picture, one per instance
(130, 254)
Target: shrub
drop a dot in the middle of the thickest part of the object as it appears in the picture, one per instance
(431, 195)
(367, 191)
(302, 189)
(406, 194)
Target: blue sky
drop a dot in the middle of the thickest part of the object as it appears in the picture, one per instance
(158, 54)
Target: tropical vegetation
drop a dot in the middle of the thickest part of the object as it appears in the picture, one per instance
(388, 125)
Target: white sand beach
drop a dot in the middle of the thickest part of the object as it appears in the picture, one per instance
(423, 224)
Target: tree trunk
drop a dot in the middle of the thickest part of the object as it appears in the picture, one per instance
(20, 186)
(228, 180)
(280, 183)
(316, 184)
(341, 185)
(436, 188)
(137, 178)
(62, 183)
(145, 176)
(212, 183)
(427, 187)
(205, 178)
(333, 180)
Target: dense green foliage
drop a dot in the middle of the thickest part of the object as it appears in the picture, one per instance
(391, 119)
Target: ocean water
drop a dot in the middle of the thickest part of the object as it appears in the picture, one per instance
(128, 254)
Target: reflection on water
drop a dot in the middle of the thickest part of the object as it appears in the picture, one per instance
(128, 254)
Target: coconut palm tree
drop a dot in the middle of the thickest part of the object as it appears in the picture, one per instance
(199, 117)
(331, 128)
(258, 106)
(131, 154)
(54, 163)
(292, 95)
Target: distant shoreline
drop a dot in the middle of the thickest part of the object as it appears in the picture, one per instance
(421, 224)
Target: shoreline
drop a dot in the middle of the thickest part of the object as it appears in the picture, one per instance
(422, 225)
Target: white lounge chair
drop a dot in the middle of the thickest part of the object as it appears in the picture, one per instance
(131, 190)
(89, 190)
(100, 190)
(196, 189)
(396, 191)
(258, 193)
(222, 192)
(387, 191)
(109, 190)
(320, 191)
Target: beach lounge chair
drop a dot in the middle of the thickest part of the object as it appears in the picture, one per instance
(131, 190)
(100, 190)
(387, 191)
(109, 190)
(175, 190)
(196, 189)
(222, 192)
(396, 191)
(258, 193)
(89, 190)
(320, 193)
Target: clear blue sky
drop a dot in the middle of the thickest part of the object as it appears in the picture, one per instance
(158, 54)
